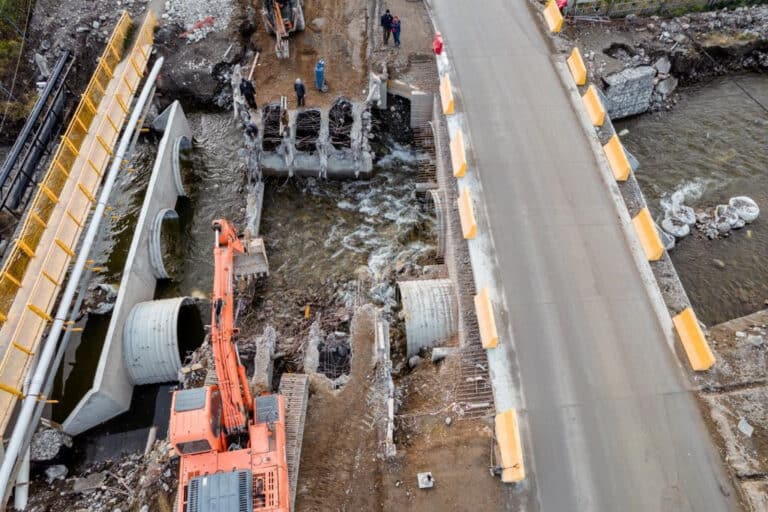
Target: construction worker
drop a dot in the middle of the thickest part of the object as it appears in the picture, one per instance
(437, 43)
(396, 31)
(301, 91)
(249, 93)
(386, 24)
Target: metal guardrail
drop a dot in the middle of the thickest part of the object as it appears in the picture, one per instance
(19, 170)
(50, 187)
(47, 242)
(618, 8)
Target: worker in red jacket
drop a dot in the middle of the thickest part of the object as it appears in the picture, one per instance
(437, 43)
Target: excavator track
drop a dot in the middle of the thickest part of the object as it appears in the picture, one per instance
(295, 390)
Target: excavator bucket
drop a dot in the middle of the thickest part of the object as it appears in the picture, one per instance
(253, 262)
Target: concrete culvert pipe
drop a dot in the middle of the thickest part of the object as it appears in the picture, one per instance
(156, 242)
(430, 311)
(181, 148)
(155, 336)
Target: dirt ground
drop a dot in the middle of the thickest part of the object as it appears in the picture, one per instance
(335, 31)
(342, 468)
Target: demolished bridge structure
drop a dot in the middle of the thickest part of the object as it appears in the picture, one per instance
(318, 142)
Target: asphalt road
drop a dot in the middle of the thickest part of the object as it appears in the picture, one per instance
(612, 423)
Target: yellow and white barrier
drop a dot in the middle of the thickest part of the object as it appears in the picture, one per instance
(467, 215)
(577, 67)
(489, 336)
(458, 155)
(648, 235)
(594, 106)
(510, 447)
(446, 95)
(694, 342)
(553, 17)
(617, 158)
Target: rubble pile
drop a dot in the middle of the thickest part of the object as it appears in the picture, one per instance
(135, 482)
(641, 61)
(712, 223)
(199, 18)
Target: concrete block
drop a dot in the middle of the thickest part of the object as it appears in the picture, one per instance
(629, 91)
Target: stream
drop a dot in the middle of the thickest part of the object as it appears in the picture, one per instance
(331, 245)
(712, 146)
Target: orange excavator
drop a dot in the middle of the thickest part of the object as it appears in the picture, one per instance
(281, 18)
(233, 447)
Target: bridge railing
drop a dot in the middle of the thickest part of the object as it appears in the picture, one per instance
(51, 230)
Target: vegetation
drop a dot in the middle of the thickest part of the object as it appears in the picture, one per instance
(16, 95)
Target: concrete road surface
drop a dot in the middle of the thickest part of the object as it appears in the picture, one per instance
(612, 423)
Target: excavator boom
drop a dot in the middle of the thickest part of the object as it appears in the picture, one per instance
(236, 399)
(237, 452)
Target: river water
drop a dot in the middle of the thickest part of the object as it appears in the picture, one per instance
(712, 146)
(330, 244)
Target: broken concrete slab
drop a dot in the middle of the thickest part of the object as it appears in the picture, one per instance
(663, 65)
(263, 362)
(667, 86)
(90, 482)
(628, 92)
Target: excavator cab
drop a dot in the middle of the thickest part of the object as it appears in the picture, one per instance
(196, 421)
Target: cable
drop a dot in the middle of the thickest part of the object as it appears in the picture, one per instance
(18, 63)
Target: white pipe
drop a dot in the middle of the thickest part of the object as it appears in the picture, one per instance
(21, 495)
(37, 384)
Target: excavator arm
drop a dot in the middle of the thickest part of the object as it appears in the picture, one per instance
(236, 399)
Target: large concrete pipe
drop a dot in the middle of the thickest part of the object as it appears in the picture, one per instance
(435, 197)
(153, 336)
(156, 242)
(430, 312)
(181, 144)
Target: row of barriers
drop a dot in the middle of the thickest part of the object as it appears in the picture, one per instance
(37, 265)
(507, 430)
(692, 337)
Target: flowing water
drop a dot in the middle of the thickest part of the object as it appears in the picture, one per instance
(712, 146)
(330, 244)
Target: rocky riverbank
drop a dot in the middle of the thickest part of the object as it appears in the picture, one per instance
(639, 62)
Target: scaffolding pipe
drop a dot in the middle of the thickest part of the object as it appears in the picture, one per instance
(37, 385)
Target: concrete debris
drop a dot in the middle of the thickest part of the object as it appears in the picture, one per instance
(199, 18)
(90, 482)
(629, 92)
(263, 361)
(42, 65)
(426, 480)
(718, 263)
(746, 208)
(711, 223)
(756, 340)
(440, 353)
(745, 428)
(415, 361)
(666, 86)
(448, 421)
(57, 472)
(663, 65)
(48, 444)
